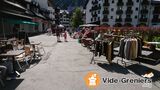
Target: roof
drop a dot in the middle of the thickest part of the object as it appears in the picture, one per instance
(61, 11)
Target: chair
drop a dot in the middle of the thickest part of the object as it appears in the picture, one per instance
(28, 54)
(39, 48)
(2, 74)
(23, 57)
(19, 59)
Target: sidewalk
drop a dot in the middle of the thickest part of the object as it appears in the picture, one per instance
(67, 64)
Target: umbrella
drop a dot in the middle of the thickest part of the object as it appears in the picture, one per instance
(88, 25)
(60, 26)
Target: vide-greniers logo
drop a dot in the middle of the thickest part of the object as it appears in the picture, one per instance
(92, 79)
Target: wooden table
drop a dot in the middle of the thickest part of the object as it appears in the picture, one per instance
(12, 54)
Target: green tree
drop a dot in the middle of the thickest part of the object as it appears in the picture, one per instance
(77, 17)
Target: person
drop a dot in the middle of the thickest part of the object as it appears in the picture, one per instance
(49, 31)
(57, 31)
(3, 70)
(70, 32)
(65, 35)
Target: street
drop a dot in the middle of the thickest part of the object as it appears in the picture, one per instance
(64, 66)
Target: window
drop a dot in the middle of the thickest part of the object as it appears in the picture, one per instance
(95, 19)
(129, 8)
(98, 18)
(128, 16)
(112, 9)
(113, 1)
(91, 19)
(111, 17)
(98, 11)
(144, 16)
(106, 8)
(137, 1)
(136, 17)
(117, 17)
(136, 8)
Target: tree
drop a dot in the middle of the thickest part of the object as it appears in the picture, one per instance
(77, 17)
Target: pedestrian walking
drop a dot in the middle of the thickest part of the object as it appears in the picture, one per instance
(57, 30)
(65, 36)
(49, 31)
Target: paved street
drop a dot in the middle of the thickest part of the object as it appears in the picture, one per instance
(65, 65)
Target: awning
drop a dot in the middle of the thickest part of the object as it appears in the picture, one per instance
(14, 21)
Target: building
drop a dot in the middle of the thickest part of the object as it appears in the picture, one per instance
(123, 12)
(64, 19)
(32, 16)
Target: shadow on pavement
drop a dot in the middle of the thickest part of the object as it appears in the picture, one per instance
(141, 70)
(34, 63)
(148, 60)
(11, 84)
(114, 68)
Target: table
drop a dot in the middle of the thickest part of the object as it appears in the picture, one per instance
(9, 40)
(4, 41)
(12, 54)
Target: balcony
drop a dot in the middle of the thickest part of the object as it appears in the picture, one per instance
(95, 8)
(128, 25)
(119, 20)
(94, 15)
(106, 12)
(156, 12)
(128, 20)
(95, 2)
(120, 4)
(143, 19)
(106, 4)
(144, 11)
(145, 2)
(105, 19)
(129, 3)
(129, 11)
(156, 20)
(119, 12)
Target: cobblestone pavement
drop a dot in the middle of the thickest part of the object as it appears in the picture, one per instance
(65, 65)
